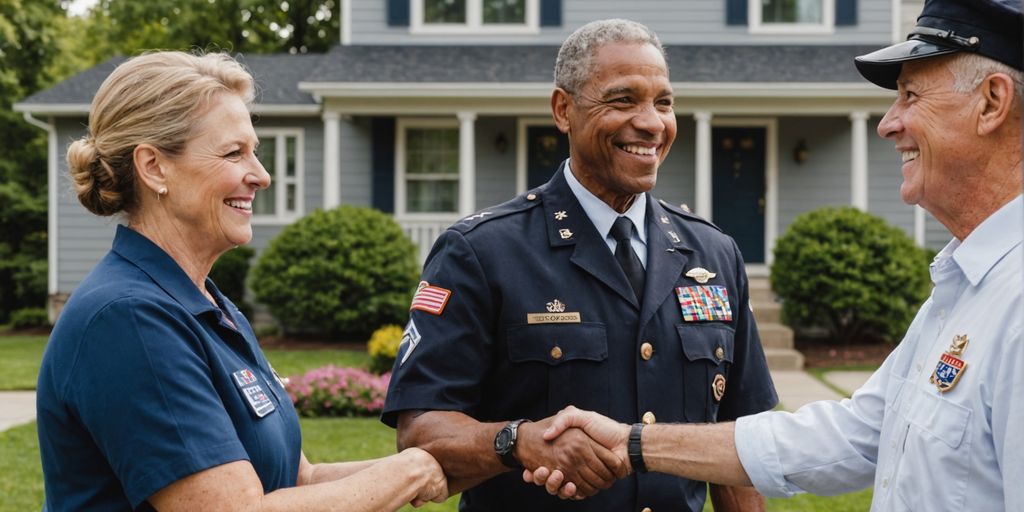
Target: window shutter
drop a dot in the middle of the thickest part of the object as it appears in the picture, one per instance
(846, 12)
(735, 12)
(398, 13)
(383, 163)
(550, 13)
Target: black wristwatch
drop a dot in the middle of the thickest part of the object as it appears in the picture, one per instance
(505, 444)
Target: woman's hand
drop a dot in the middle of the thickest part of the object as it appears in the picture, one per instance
(430, 482)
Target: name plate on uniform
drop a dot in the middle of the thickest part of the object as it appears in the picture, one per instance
(553, 318)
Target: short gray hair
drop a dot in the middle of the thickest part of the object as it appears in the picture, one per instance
(969, 69)
(572, 68)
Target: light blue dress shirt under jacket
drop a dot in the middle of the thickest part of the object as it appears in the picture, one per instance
(923, 450)
(603, 216)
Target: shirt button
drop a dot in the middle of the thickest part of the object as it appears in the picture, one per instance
(885, 483)
(942, 313)
(646, 351)
(719, 353)
(556, 353)
(646, 509)
(919, 366)
(531, 197)
(648, 418)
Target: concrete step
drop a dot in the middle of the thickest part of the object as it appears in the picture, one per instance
(767, 312)
(761, 282)
(761, 296)
(775, 336)
(784, 359)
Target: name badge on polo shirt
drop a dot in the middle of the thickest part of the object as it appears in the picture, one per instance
(258, 400)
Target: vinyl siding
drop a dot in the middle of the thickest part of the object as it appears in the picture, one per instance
(356, 162)
(676, 174)
(677, 22)
(884, 179)
(495, 172)
(824, 179)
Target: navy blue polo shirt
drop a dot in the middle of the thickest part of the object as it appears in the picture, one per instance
(145, 382)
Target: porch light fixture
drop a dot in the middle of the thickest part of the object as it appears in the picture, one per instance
(500, 143)
(800, 152)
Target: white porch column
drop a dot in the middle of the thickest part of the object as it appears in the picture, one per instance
(332, 159)
(859, 160)
(702, 188)
(919, 226)
(467, 163)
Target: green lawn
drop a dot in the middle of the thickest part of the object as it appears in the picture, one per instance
(323, 439)
(19, 361)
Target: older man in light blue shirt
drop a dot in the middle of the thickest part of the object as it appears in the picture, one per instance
(934, 428)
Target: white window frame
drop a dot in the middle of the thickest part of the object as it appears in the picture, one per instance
(827, 25)
(280, 182)
(474, 21)
(401, 139)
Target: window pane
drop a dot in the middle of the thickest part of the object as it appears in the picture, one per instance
(432, 151)
(791, 11)
(289, 143)
(437, 196)
(289, 198)
(505, 11)
(444, 11)
(264, 204)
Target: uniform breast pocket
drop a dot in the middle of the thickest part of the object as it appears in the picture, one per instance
(937, 437)
(572, 357)
(708, 348)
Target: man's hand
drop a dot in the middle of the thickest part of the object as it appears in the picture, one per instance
(611, 435)
(586, 463)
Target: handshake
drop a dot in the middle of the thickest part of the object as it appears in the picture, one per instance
(575, 453)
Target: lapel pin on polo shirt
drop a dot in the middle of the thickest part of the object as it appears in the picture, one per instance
(561, 215)
(700, 274)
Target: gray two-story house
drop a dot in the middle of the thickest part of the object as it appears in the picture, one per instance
(432, 109)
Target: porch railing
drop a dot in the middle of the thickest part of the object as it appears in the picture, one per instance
(423, 233)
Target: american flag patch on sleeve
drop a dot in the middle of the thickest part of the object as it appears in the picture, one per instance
(429, 298)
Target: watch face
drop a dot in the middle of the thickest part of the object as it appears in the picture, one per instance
(502, 440)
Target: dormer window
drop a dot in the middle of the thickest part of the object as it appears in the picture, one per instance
(474, 16)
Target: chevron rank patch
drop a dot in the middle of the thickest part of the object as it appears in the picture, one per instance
(704, 303)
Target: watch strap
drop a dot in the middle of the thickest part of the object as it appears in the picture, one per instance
(633, 448)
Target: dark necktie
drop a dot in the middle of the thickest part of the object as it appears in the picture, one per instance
(622, 232)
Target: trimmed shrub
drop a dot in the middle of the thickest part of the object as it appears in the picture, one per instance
(229, 274)
(333, 391)
(851, 273)
(27, 318)
(343, 272)
(383, 347)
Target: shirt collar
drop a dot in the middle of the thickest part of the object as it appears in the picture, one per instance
(163, 270)
(990, 241)
(602, 215)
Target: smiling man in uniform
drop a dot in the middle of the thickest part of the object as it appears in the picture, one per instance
(584, 291)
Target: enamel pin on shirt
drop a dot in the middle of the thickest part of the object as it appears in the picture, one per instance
(950, 367)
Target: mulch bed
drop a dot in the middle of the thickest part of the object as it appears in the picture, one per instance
(819, 353)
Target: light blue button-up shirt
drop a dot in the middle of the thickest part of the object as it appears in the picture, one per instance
(923, 449)
(603, 216)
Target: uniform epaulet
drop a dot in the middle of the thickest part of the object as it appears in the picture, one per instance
(517, 204)
(685, 213)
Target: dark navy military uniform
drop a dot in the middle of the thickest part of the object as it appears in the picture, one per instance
(497, 351)
(145, 382)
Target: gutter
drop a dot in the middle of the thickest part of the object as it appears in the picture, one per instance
(51, 207)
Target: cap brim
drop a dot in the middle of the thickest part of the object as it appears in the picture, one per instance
(882, 67)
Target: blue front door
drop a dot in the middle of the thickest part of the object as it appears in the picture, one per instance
(546, 147)
(738, 187)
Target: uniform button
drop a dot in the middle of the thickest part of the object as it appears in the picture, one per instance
(531, 197)
(719, 353)
(646, 509)
(556, 353)
(648, 418)
(646, 351)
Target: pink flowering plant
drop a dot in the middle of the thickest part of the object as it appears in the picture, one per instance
(334, 391)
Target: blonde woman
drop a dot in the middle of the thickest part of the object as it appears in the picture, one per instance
(153, 391)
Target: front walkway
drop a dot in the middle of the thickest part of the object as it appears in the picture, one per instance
(16, 407)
